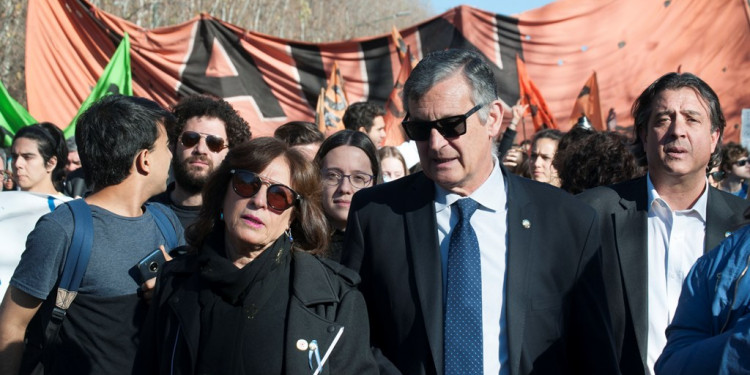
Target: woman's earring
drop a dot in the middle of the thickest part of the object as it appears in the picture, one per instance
(288, 233)
(221, 216)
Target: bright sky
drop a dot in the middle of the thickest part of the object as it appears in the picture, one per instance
(505, 7)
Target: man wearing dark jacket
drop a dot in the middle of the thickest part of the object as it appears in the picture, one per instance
(655, 227)
(467, 269)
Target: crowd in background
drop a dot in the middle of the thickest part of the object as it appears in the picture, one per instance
(257, 281)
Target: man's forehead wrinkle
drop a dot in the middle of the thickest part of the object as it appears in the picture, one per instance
(661, 104)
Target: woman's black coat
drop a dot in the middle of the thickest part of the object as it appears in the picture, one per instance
(324, 301)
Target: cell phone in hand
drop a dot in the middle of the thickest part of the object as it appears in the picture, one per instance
(149, 265)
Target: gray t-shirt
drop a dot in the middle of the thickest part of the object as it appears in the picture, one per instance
(100, 332)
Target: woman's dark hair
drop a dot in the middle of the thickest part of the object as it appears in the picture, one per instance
(730, 153)
(596, 159)
(50, 143)
(309, 224)
(574, 135)
(355, 139)
(299, 133)
(552, 134)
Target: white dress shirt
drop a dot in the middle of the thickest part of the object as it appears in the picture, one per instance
(675, 242)
(489, 223)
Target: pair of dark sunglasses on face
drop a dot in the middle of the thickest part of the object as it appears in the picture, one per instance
(278, 196)
(741, 162)
(213, 142)
(449, 127)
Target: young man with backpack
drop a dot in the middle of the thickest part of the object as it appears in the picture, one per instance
(125, 152)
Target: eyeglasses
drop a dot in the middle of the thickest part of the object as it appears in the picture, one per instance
(741, 162)
(332, 177)
(279, 197)
(214, 142)
(449, 127)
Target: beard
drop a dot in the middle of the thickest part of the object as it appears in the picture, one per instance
(190, 178)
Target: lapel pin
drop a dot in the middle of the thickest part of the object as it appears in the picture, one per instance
(526, 223)
(302, 344)
(727, 234)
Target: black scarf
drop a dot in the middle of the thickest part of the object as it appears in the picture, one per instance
(232, 307)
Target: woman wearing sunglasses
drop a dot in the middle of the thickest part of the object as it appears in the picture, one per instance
(348, 162)
(735, 168)
(249, 297)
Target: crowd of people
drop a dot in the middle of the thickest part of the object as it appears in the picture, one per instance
(206, 250)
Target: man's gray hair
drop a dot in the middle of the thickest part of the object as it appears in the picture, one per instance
(440, 65)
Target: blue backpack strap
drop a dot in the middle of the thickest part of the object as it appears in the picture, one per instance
(165, 226)
(80, 246)
(76, 262)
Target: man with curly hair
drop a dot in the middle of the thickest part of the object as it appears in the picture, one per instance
(206, 128)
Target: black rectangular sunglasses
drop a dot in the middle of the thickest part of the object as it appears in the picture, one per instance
(448, 127)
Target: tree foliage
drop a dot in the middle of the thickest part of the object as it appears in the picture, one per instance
(305, 20)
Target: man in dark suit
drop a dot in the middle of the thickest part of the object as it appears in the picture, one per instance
(533, 301)
(654, 228)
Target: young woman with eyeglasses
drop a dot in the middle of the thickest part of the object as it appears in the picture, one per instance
(735, 167)
(348, 162)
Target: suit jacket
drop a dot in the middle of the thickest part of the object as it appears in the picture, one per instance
(623, 214)
(557, 319)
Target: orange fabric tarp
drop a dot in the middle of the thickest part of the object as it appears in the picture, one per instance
(271, 80)
(631, 43)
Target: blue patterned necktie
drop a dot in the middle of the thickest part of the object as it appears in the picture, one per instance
(462, 345)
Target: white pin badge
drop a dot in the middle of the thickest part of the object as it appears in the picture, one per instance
(301, 344)
(526, 223)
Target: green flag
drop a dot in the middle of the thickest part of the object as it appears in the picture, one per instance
(13, 116)
(116, 79)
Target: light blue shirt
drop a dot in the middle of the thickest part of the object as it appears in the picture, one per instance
(490, 224)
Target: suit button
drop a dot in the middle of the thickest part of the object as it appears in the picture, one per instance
(331, 329)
